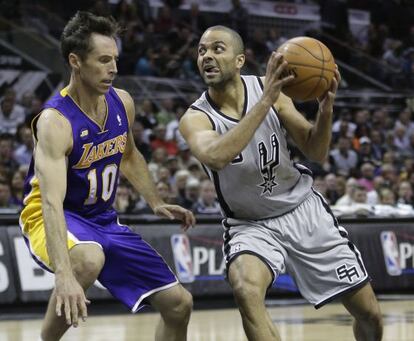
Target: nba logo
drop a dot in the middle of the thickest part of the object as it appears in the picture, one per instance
(182, 257)
(391, 254)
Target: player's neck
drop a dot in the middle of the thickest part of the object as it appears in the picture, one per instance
(230, 96)
(87, 100)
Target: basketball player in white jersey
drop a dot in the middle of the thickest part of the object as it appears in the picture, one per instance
(274, 220)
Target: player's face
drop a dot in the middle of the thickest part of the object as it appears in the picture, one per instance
(217, 61)
(99, 69)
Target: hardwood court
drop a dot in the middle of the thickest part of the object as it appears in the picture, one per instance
(296, 323)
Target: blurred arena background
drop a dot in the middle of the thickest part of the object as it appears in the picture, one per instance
(368, 178)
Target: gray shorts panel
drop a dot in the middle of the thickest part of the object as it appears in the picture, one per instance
(308, 243)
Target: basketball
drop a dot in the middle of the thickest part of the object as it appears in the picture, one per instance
(312, 64)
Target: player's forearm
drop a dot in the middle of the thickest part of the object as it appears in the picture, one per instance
(228, 146)
(56, 237)
(320, 138)
(135, 169)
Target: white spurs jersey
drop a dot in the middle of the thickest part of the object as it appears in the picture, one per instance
(262, 182)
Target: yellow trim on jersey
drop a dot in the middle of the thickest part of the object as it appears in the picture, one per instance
(33, 228)
(64, 91)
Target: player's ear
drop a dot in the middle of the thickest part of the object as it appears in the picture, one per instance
(74, 61)
(240, 59)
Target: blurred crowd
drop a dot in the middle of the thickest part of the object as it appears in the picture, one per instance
(371, 159)
(372, 154)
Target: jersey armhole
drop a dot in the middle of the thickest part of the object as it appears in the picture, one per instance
(36, 118)
(205, 113)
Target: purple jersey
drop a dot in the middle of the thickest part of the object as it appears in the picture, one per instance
(94, 161)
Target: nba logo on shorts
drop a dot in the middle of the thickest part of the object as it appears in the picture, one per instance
(391, 254)
(182, 257)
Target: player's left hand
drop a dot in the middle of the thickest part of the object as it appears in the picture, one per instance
(326, 101)
(176, 212)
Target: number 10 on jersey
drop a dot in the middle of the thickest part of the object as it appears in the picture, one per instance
(108, 184)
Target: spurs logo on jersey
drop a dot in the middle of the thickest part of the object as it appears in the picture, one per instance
(267, 167)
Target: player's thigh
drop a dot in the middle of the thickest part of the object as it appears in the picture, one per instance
(248, 272)
(362, 303)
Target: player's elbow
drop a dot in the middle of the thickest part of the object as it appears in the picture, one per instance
(318, 156)
(215, 163)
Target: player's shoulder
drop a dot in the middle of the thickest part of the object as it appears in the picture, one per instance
(124, 95)
(52, 118)
(127, 101)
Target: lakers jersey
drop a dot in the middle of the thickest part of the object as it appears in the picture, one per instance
(94, 161)
(262, 181)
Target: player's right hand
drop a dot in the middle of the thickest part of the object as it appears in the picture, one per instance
(276, 78)
(71, 297)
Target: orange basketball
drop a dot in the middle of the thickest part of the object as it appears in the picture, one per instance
(312, 64)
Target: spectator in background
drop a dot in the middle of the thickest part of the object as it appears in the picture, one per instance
(367, 176)
(274, 39)
(193, 19)
(34, 110)
(17, 185)
(7, 161)
(331, 193)
(346, 199)
(192, 193)
(164, 190)
(405, 193)
(5, 195)
(146, 115)
(373, 196)
(11, 114)
(159, 140)
(251, 65)
(159, 157)
(164, 21)
(238, 17)
(23, 153)
(123, 198)
(359, 195)
(180, 181)
(343, 157)
(344, 126)
(166, 114)
(207, 202)
(146, 65)
(377, 149)
(364, 152)
(405, 120)
(138, 132)
(389, 173)
(386, 196)
(401, 140)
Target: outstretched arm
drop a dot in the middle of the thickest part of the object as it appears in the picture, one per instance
(216, 150)
(135, 169)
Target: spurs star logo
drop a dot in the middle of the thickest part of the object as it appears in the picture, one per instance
(267, 166)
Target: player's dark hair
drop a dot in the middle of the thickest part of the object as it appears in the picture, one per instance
(77, 32)
(237, 40)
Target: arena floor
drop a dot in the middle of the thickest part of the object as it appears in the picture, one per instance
(296, 322)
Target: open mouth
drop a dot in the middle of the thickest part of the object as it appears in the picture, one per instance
(211, 70)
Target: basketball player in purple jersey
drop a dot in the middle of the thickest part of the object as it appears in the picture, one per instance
(83, 141)
(274, 220)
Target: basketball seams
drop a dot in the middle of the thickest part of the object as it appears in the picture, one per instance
(310, 52)
(313, 76)
(315, 88)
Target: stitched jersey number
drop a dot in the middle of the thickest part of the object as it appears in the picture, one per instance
(108, 184)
